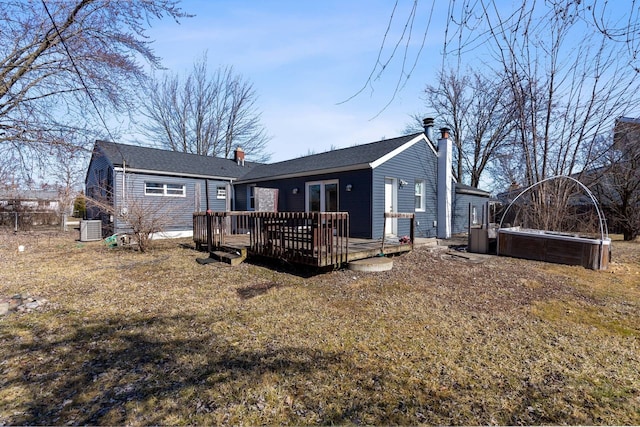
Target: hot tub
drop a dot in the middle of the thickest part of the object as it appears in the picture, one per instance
(559, 248)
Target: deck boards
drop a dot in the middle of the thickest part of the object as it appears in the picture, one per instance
(358, 248)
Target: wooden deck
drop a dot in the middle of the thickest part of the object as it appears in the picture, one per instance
(317, 239)
(357, 249)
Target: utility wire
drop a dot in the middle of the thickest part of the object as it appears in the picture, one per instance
(93, 102)
(75, 67)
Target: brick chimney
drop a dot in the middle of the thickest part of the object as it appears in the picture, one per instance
(238, 156)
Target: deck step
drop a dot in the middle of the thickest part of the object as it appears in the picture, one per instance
(235, 249)
(228, 257)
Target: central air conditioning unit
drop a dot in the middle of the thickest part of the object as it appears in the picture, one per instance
(90, 230)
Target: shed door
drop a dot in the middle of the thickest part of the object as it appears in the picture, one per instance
(390, 201)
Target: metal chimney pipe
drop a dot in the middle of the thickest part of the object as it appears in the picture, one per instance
(428, 128)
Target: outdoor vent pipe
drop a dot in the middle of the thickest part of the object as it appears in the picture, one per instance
(428, 128)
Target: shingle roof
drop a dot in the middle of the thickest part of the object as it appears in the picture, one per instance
(345, 158)
(153, 159)
(467, 189)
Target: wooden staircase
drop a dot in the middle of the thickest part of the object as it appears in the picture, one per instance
(230, 255)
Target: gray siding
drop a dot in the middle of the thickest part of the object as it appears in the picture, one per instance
(180, 209)
(461, 202)
(418, 162)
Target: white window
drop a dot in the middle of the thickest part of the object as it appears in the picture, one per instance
(419, 195)
(221, 192)
(322, 196)
(162, 189)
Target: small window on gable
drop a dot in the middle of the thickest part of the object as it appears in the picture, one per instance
(419, 195)
(161, 189)
(221, 192)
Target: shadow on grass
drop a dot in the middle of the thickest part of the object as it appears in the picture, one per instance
(98, 373)
(251, 291)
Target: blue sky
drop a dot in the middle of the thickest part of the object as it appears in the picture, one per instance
(304, 58)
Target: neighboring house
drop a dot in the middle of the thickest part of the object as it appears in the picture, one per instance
(30, 200)
(408, 174)
(27, 208)
(177, 183)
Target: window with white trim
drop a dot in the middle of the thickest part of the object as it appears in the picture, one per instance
(419, 191)
(221, 192)
(164, 189)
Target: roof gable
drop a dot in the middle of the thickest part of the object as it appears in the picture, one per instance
(357, 157)
(154, 160)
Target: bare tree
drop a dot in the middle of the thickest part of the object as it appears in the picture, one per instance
(616, 181)
(67, 169)
(206, 114)
(470, 26)
(64, 63)
(7, 168)
(477, 110)
(145, 217)
(565, 94)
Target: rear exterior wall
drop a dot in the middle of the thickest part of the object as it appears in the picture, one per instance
(179, 209)
(461, 207)
(418, 162)
(356, 202)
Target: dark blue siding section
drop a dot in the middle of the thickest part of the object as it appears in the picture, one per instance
(356, 202)
(417, 162)
(100, 168)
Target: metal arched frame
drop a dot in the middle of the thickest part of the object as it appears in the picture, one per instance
(604, 232)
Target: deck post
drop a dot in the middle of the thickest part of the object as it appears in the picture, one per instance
(384, 232)
(209, 233)
(412, 231)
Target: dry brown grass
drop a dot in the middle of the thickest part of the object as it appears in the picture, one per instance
(156, 338)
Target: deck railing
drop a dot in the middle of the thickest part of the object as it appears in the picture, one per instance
(399, 215)
(313, 238)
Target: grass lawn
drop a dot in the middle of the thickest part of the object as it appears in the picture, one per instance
(156, 338)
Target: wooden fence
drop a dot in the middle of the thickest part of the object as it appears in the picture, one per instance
(312, 238)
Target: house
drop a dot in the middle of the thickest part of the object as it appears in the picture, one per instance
(175, 183)
(405, 174)
(410, 174)
(616, 183)
(22, 209)
(30, 200)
